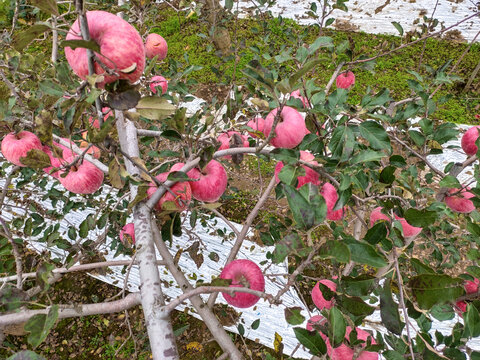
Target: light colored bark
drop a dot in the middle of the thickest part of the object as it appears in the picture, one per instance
(157, 320)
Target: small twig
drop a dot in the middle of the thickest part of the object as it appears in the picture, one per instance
(16, 253)
(12, 88)
(214, 289)
(402, 301)
(82, 267)
(333, 77)
(7, 184)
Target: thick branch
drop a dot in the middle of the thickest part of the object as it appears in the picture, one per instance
(159, 327)
(68, 311)
(79, 151)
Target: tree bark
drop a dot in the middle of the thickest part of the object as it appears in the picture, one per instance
(157, 321)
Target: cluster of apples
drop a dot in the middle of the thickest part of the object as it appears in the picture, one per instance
(458, 199)
(344, 351)
(471, 287)
(82, 178)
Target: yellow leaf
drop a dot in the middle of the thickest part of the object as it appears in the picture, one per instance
(194, 345)
(277, 343)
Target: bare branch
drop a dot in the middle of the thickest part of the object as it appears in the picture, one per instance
(68, 311)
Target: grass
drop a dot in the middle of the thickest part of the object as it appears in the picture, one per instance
(188, 39)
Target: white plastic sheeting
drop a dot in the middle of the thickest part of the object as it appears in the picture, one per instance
(376, 16)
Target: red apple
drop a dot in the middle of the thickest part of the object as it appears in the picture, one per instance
(311, 176)
(319, 320)
(471, 287)
(182, 191)
(243, 273)
(317, 295)
(377, 215)
(95, 123)
(158, 81)
(345, 80)
(468, 141)
(127, 233)
(15, 146)
(407, 229)
(226, 140)
(155, 45)
(211, 184)
(290, 130)
(330, 195)
(344, 352)
(459, 202)
(462, 307)
(121, 48)
(305, 102)
(256, 124)
(56, 162)
(83, 178)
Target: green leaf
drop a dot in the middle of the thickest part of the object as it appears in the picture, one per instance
(84, 229)
(367, 156)
(337, 326)
(417, 137)
(86, 44)
(255, 324)
(363, 253)
(180, 330)
(291, 243)
(387, 175)
(420, 218)
(393, 355)
(321, 41)
(342, 143)
(50, 88)
(303, 212)
(39, 326)
(287, 156)
(311, 340)
(398, 27)
(389, 310)
(358, 286)
(471, 319)
(375, 134)
(450, 181)
(376, 233)
(333, 249)
(155, 108)
(289, 174)
(22, 39)
(355, 305)
(26, 355)
(43, 273)
(432, 289)
(294, 315)
(302, 71)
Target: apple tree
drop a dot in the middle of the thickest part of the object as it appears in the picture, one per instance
(364, 197)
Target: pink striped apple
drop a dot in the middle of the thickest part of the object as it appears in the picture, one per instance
(330, 195)
(468, 141)
(317, 296)
(121, 48)
(459, 201)
(182, 192)
(82, 178)
(15, 146)
(127, 233)
(243, 273)
(289, 131)
(155, 45)
(311, 176)
(345, 80)
(158, 81)
(211, 182)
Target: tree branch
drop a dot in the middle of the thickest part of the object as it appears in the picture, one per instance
(68, 311)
